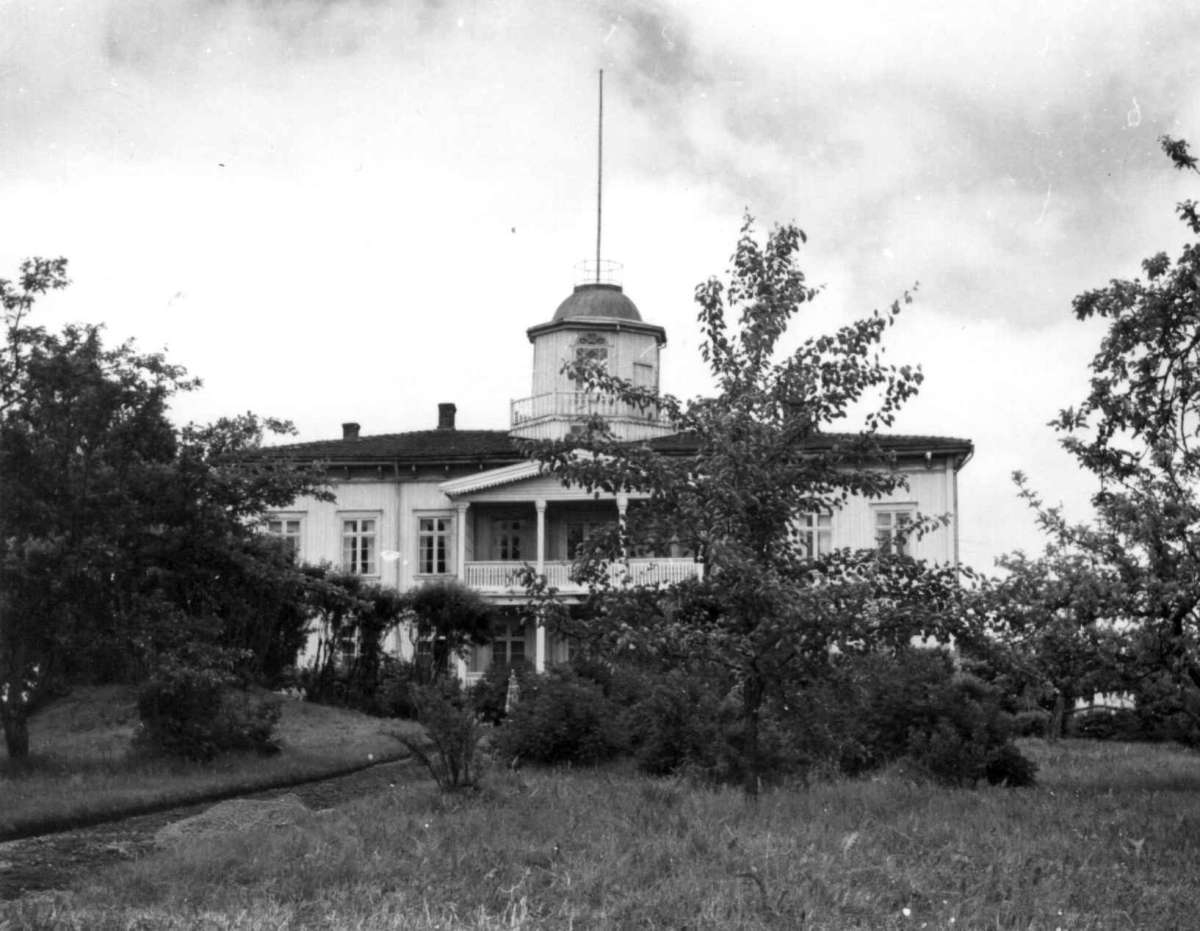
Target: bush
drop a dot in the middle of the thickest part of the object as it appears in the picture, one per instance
(450, 748)
(489, 695)
(1114, 724)
(195, 710)
(676, 725)
(393, 693)
(870, 710)
(562, 718)
(1034, 722)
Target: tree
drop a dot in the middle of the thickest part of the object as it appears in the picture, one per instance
(1136, 431)
(758, 459)
(449, 617)
(122, 537)
(1050, 632)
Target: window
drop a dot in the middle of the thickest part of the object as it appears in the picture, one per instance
(506, 540)
(508, 645)
(433, 542)
(890, 530)
(643, 376)
(816, 534)
(358, 546)
(578, 532)
(592, 347)
(288, 530)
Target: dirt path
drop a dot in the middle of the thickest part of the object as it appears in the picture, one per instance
(53, 861)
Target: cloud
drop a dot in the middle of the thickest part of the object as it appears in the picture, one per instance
(364, 204)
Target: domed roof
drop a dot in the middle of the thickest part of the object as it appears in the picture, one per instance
(597, 300)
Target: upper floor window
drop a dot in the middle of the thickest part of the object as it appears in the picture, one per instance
(288, 530)
(359, 546)
(891, 530)
(506, 540)
(433, 544)
(816, 534)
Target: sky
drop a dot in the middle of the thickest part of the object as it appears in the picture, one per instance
(351, 211)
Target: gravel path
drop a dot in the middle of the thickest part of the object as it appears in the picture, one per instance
(53, 861)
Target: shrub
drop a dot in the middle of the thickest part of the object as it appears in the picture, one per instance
(960, 734)
(562, 718)
(489, 695)
(1034, 722)
(869, 710)
(190, 707)
(393, 693)
(676, 725)
(450, 747)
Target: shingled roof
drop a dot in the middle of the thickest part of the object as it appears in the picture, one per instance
(899, 443)
(493, 446)
(496, 447)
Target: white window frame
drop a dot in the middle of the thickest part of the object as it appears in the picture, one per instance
(508, 632)
(295, 541)
(447, 537)
(886, 519)
(355, 564)
(815, 533)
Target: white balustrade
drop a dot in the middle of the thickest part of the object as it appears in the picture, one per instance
(577, 404)
(504, 576)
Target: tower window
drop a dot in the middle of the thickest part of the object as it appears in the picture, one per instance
(593, 348)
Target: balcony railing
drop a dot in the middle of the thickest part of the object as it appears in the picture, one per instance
(502, 577)
(578, 405)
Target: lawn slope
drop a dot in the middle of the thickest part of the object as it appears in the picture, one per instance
(82, 768)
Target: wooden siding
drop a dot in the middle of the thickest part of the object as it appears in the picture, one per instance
(554, 349)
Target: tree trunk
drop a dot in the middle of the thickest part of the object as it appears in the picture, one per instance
(16, 734)
(1055, 731)
(752, 698)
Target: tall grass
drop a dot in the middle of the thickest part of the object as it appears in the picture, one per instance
(1110, 839)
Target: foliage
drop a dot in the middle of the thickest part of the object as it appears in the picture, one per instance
(561, 718)
(761, 459)
(1136, 431)
(121, 537)
(1050, 632)
(351, 617)
(489, 695)
(449, 617)
(192, 707)
(450, 748)
(392, 695)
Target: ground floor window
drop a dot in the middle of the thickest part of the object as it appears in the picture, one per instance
(891, 530)
(288, 530)
(816, 534)
(506, 647)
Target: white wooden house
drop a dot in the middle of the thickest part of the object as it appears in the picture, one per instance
(440, 503)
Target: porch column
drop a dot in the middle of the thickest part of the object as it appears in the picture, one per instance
(460, 539)
(460, 565)
(539, 647)
(540, 504)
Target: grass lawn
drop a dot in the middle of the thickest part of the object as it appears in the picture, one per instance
(1109, 839)
(81, 765)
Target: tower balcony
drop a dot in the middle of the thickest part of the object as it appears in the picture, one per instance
(551, 415)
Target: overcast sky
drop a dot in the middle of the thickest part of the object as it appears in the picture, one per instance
(336, 211)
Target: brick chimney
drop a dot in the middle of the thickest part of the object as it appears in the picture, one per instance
(350, 431)
(446, 414)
